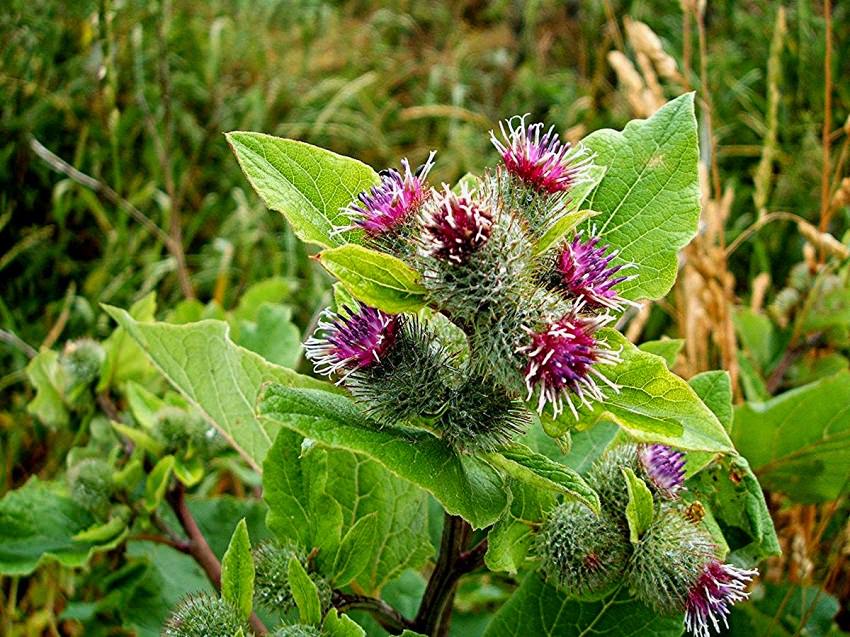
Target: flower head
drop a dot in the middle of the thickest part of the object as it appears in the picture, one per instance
(710, 598)
(540, 158)
(388, 205)
(456, 226)
(586, 271)
(665, 468)
(352, 342)
(561, 362)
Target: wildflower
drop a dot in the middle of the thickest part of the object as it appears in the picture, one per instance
(538, 158)
(352, 342)
(710, 598)
(385, 207)
(456, 227)
(665, 468)
(675, 569)
(586, 271)
(562, 359)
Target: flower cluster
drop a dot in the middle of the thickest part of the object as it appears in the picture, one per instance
(531, 329)
(673, 567)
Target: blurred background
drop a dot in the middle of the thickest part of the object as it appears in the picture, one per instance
(116, 181)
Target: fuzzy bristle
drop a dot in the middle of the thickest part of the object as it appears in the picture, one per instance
(202, 616)
(581, 553)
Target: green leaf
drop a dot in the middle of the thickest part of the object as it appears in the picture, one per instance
(653, 404)
(102, 533)
(757, 336)
(190, 471)
(336, 625)
(314, 496)
(510, 539)
(537, 608)
(464, 484)
(157, 482)
(219, 378)
(39, 522)
(273, 291)
(273, 336)
(309, 185)
(45, 375)
(139, 438)
(799, 442)
(786, 610)
(305, 593)
(354, 551)
(377, 279)
(639, 510)
(648, 199)
(733, 495)
(237, 572)
(125, 360)
(714, 388)
(666, 348)
(284, 489)
(525, 465)
(143, 404)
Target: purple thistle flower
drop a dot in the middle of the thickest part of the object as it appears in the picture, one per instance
(456, 226)
(539, 158)
(562, 359)
(709, 600)
(586, 271)
(665, 468)
(388, 205)
(352, 342)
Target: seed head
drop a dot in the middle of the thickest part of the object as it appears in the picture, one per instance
(665, 468)
(709, 600)
(562, 359)
(354, 341)
(540, 159)
(386, 207)
(456, 226)
(585, 271)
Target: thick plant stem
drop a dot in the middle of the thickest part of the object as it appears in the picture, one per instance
(453, 561)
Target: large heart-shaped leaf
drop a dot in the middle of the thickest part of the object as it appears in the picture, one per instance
(537, 608)
(799, 442)
(648, 199)
(465, 485)
(221, 379)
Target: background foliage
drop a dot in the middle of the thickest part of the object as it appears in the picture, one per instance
(117, 183)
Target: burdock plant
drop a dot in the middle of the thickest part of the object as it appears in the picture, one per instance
(469, 321)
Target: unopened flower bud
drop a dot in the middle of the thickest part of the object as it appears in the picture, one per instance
(297, 630)
(202, 616)
(91, 484)
(271, 584)
(582, 553)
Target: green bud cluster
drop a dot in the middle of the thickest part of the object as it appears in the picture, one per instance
(585, 554)
(204, 616)
(91, 485)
